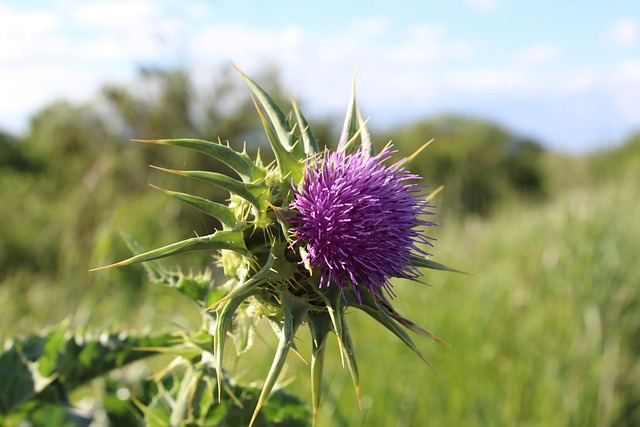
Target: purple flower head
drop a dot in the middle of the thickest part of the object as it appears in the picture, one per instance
(358, 220)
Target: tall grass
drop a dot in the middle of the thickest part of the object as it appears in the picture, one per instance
(544, 332)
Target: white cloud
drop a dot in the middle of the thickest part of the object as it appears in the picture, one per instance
(624, 33)
(403, 69)
(26, 34)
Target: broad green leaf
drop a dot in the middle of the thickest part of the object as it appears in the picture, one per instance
(69, 361)
(21, 380)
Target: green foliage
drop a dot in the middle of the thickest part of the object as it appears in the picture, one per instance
(74, 180)
(44, 369)
(479, 163)
(610, 163)
(40, 372)
(545, 332)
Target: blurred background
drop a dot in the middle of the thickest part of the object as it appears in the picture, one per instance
(535, 114)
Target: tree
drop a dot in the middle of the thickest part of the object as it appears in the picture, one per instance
(480, 163)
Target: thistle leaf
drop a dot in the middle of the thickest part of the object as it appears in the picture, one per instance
(309, 141)
(276, 116)
(155, 270)
(223, 213)
(239, 162)
(320, 324)
(45, 368)
(247, 191)
(182, 404)
(350, 357)
(350, 126)
(371, 307)
(290, 168)
(242, 331)
(332, 298)
(295, 311)
(365, 136)
(226, 308)
(415, 154)
(223, 325)
(427, 263)
(222, 239)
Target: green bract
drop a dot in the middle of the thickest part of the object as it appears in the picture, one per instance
(267, 274)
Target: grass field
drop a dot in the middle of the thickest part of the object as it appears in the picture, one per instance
(545, 331)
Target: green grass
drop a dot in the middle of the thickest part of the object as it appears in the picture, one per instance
(544, 332)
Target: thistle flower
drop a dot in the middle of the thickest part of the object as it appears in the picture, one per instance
(358, 220)
(304, 239)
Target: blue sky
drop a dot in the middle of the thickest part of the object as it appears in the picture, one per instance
(566, 73)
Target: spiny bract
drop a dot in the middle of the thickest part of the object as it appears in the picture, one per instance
(304, 239)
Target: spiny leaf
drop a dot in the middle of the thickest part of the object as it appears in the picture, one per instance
(295, 311)
(427, 263)
(239, 162)
(289, 167)
(223, 325)
(221, 212)
(222, 239)
(333, 299)
(433, 194)
(409, 159)
(365, 136)
(242, 331)
(49, 366)
(181, 405)
(320, 324)
(350, 126)
(364, 141)
(155, 270)
(245, 190)
(369, 305)
(198, 287)
(244, 289)
(226, 308)
(276, 116)
(350, 357)
(309, 141)
(408, 323)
